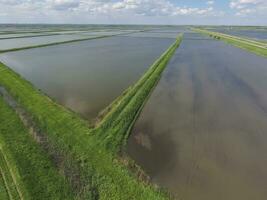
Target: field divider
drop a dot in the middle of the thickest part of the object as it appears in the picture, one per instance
(120, 120)
(114, 106)
(245, 40)
(243, 43)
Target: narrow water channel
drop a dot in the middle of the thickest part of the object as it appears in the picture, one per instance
(203, 132)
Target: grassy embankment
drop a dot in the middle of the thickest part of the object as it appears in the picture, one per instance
(26, 170)
(253, 46)
(3, 190)
(93, 152)
(8, 185)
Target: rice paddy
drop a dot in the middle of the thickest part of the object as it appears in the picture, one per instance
(116, 112)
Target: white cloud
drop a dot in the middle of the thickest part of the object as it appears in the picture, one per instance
(125, 11)
(210, 2)
(137, 7)
(63, 4)
(247, 7)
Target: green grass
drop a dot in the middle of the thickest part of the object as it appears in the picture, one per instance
(243, 43)
(29, 172)
(3, 190)
(93, 151)
(8, 179)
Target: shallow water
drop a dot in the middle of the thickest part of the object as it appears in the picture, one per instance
(253, 34)
(155, 35)
(25, 42)
(101, 33)
(203, 132)
(86, 76)
(3, 36)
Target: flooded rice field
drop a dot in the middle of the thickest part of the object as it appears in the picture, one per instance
(154, 34)
(87, 76)
(4, 36)
(24, 42)
(252, 34)
(202, 134)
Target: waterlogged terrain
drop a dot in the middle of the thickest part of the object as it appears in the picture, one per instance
(202, 132)
(201, 135)
(86, 76)
(256, 34)
(154, 35)
(10, 36)
(32, 41)
(103, 32)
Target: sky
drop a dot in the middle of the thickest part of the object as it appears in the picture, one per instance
(180, 12)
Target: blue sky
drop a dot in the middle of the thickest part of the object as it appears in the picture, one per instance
(214, 12)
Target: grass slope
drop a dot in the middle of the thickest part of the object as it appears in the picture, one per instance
(3, 190)
(9, 182)
(243, 43)
(28, 171)
(100, 174)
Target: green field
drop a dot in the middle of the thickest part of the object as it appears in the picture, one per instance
(28, 171)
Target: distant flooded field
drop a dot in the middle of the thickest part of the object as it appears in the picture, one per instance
(24, 42)
(87, 76)
(252, 34)
(154, 34)
(202, 134)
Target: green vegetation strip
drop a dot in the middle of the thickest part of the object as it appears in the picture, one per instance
(27, 171)
(115, 127)
(101, 173)
(258, 48)
(3, 189)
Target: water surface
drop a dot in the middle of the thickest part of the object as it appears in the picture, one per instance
(154, 34)
(86, 76)
(203, 132)
(25, 42)
(252, 34)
